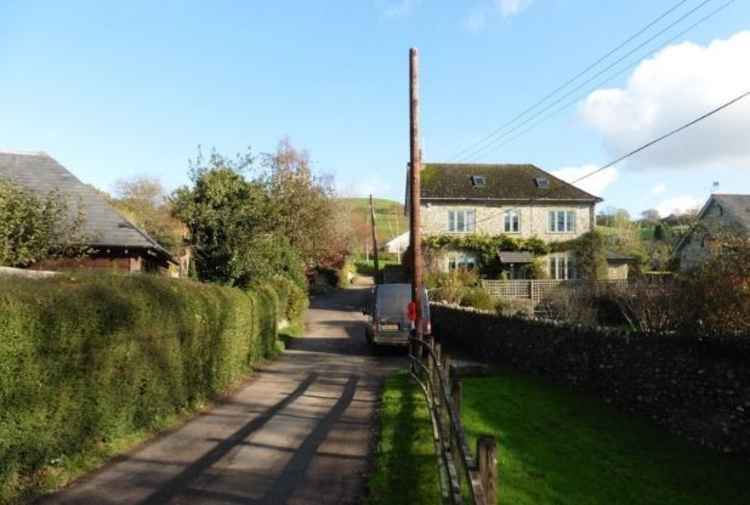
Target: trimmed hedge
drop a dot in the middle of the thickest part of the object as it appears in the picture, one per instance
(293, 301)
(88, 359)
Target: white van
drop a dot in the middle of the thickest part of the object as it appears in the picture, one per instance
(388, 309)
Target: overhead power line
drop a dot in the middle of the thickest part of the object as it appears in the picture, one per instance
(497, 138)
(600, 83)
(645, 146)
(665, 136)
(571, 80)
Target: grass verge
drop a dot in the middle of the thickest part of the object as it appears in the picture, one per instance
(557, 446)
(406, 469)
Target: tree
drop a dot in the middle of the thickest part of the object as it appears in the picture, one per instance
(35, 228)
(650, 216)
(591, 256)
(304, 208)
(144, 202)
(716, 296)
(232, 225)
(711, 300)
(612, 216)
(659, 233)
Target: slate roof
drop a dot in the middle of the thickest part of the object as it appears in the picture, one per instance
(617, 257)
(42, 174)
(736, 206)
(453, 181)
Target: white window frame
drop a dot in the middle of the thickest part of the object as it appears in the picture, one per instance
(462, 221)
(561, 267)
(461, 262)
(562, 221)
(511, 217)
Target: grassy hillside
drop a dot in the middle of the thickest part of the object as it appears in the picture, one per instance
(389, 219)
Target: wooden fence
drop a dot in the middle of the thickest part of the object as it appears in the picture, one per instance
(459, 470)
(536, 290)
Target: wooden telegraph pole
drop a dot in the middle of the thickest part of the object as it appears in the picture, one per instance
(374, 242)
(415, 166)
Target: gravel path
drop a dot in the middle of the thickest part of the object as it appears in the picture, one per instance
(300, 432)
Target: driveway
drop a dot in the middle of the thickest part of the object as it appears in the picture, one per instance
(299, 432)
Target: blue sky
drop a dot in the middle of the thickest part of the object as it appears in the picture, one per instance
(117, 89)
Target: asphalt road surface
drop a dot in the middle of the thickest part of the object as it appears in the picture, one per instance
(301, 431)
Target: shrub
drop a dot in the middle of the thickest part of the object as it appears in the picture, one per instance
(574, 305)
(537, 269)
(34, 228)
(293, 300)
(450, 287)
(711, 300)
(509, 307)
(478, 298)
(345, 273)
(92, 359)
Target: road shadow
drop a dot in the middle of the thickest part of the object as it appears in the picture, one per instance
(179, 484)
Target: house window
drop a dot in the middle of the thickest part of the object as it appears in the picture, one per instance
(561, 221)
(478, 181)
(461, 262)
(461, 221)
(511, 221)
(561, 267)
(541, 182)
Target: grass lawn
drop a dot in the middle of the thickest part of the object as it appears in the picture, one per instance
(405, 463)
(560, 447)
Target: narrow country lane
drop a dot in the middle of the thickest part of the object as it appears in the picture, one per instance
(300, 432)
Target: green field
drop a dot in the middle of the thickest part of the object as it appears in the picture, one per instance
(560, 447)
(389, 216)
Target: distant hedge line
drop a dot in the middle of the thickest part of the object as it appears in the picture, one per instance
(88, 359)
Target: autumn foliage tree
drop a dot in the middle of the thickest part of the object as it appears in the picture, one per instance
(304, 209)
(248, 222)
(144, 202)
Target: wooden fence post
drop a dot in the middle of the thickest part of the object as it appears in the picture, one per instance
(487, 460)
(456, 394)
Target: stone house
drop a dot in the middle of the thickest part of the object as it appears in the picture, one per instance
(114, 242)
(518, 201)
(722, 213)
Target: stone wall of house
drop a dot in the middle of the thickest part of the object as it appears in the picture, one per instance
(694, 252)
(490, 221)
(696, 388)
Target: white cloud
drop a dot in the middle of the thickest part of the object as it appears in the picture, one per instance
(596, 184)
(659, 189)
(512, 7)
(678, 205)
(485, 11)
(673, 87)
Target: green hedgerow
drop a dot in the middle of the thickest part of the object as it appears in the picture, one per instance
(87, 360)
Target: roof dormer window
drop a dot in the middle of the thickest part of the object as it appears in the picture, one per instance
(478, 181)
(541, 182)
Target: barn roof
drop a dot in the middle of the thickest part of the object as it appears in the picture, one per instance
(42, 174)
